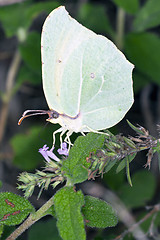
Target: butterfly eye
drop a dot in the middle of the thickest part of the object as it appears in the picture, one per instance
(54, 114)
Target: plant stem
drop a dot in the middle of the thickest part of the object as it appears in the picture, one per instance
(8, 93)
(34, 217)
(155, 209)
(120, 28)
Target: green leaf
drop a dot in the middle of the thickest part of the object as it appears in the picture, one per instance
(136, 129)
(68, 205)
(128, 170)
(30, 52)
(122, 164)
(130, 6)
(109, 165)
(7, 230)
(157, 149)
(44, 230)
(94, 17)
(113, 180)
(75, 165)
(141, 192)
(1, 230)
(26, 75)
(22, 14)
(143, 49)
(26, 146)
(50, 211)
(13, 17)
(139, 81)
(148, 16)
(159, 160)
(13, 208)
(98, 213)
(35, 9)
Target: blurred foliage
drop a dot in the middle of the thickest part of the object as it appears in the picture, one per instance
(30, 52)
(141, 47)
(7, 230)
(25, 75)
(130, 6)
(44, 230)
(138, 195)
(21, 15)
(94, 17)
(26, 146)
(148, 16)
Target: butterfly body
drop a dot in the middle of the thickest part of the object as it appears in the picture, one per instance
(87, 81)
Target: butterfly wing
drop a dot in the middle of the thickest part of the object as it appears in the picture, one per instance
(62, 43)
(107, 91)
(84, 73)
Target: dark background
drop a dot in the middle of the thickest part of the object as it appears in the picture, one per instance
(134, 26)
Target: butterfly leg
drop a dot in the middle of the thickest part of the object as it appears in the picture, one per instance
(67, 139)
(54, 134)
(92, 130)
(62, 133)
(83, 134)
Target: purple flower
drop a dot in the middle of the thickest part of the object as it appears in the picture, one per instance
(63, 150)
(47, 154)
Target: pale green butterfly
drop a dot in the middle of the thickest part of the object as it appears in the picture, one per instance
(87, 81)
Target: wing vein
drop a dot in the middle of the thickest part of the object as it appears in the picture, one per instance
(98, 92)
(96, 110)
(80, 87)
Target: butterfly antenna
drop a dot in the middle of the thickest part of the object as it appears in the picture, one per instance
(33, 113)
